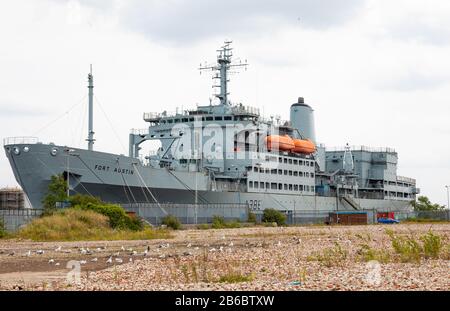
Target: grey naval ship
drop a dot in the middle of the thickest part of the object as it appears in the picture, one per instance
(222, 152)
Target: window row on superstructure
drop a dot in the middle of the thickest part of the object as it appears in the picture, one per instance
(281, 172)
(286, 160)
(280, 186)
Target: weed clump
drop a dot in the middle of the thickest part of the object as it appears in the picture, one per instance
(3, 232)
(251, 218)
(76, 224)
(271, 215)
(234, 277)
(171, 222)
(117, 216)
(331, 256)
(218, 222)
(432, 245)
(408, 249)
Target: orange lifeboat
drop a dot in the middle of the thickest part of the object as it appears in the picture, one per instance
(304, 146)
(277, 142)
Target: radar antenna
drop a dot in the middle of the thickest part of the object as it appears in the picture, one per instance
(90, 138)
(224, 64)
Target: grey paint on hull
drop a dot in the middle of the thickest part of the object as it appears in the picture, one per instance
(121, 179)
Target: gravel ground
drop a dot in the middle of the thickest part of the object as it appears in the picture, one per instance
(287, 258)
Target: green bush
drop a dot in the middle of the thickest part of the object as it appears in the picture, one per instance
(57, 192)
(118, 218)
(330, 256)
(407, 248)
(3, 232)
(75, 224)
(272, 215)
(218, 222)
(171, 222)
(79, 199)
(251, 217)
(432, 245)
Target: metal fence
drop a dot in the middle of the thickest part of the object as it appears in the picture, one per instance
(321, 217)
(13, 219)
(429, 215)
(188, 213)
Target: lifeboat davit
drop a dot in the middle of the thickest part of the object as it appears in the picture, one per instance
(282, 143)
(304, 146)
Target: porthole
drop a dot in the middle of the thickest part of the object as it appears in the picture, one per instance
(16, 150)
(26, 149)
(54, 151)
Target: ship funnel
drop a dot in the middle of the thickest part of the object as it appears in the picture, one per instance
(302, 118)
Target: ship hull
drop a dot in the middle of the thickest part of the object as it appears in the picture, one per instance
(123, 180)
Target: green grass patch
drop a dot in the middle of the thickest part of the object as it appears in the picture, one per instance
(368, 253)
(3, 233)
(77, 224)
(330, 256)
(171, 222)
(234, 277)
(424, 220)
(118, 218)
(219, 222)
(410, 249)
(251, 218)
(432, 245)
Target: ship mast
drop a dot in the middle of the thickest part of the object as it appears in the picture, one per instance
(90, 138)
(224, 64)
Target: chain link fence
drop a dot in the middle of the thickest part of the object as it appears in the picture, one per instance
(188, 213)
(13, 219)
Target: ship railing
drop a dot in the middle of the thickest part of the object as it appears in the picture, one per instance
(150, 116)
(275, 121)
(406, 179)
(361, 148)
(245, 109)
(20, 140)
(139, 131)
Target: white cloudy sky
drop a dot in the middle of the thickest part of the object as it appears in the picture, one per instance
(377, 72)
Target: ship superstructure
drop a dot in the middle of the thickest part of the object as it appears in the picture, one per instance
(222, 152)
